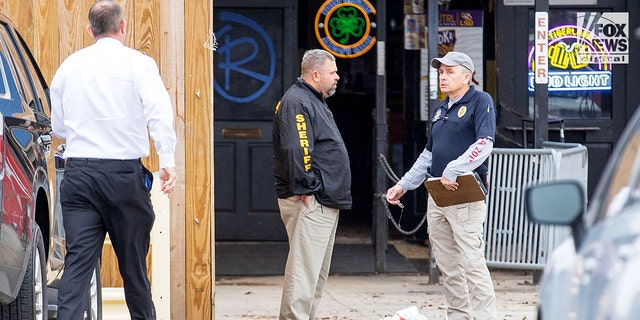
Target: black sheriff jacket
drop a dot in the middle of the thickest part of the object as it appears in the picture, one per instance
(309, 155)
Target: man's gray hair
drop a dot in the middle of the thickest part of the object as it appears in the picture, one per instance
(105, 17)
(312, 59)
(464, 70)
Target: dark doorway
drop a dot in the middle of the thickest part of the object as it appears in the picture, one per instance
(252, 69)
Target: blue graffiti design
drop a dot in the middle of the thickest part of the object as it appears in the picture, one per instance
(237, 66)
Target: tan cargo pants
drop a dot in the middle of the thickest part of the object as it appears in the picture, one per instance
(311, 230)
(455, 233)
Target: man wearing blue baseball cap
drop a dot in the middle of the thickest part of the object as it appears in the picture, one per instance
(461, 139)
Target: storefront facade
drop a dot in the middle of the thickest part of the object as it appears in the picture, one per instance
(261, 43)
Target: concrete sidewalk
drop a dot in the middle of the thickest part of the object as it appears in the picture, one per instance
(370, 297)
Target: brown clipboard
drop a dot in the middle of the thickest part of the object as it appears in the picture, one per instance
(470, 189)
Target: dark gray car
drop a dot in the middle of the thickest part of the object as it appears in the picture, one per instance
(31, 231)
(595, 276)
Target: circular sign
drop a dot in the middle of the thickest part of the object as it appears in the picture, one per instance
(344, 28)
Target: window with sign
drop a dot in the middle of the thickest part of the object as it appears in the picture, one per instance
(582, 48)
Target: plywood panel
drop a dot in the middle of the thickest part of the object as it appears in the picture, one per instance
(22, 16)
(45, 45)
(128, 7)
(146, 26)
(72, 27)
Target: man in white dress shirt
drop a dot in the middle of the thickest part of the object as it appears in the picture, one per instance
(104, 99)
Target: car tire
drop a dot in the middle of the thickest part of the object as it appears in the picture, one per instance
(31, 302)
(94, 296)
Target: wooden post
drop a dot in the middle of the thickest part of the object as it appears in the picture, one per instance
(172, 25)
(199, 173)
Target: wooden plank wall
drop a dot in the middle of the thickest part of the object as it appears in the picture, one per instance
(173, 33)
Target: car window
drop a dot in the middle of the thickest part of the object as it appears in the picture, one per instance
(623, 189)
(10, 103)
(22, 79)
(39, 84)
(4, 83)
(4, 86)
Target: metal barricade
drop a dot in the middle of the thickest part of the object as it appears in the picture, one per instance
(511, 240)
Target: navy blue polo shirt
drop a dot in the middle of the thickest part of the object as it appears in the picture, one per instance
(472, 118)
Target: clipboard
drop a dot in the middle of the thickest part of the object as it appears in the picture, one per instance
(470, 189)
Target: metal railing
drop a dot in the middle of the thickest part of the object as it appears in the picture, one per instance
(511, 240)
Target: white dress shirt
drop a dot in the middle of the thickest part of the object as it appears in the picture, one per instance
(104, 97)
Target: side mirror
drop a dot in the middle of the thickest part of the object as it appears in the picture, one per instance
(557, 203)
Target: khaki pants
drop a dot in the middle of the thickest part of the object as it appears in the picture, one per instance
(311, 231)
(455, 233)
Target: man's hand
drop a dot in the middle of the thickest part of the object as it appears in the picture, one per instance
(168, 179)
(306, 199)
(394, 193)
(448, 184)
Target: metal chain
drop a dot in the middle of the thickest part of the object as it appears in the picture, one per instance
(387, 168)
(382, 196)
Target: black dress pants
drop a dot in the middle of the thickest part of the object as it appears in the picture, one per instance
(100, 196)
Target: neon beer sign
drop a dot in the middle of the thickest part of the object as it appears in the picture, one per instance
(344, 27)
(580, 58)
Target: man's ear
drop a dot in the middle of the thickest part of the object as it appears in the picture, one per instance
(89, 31)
